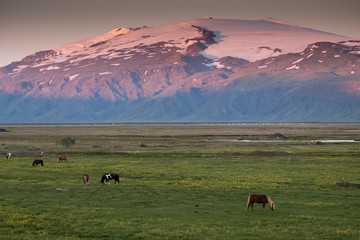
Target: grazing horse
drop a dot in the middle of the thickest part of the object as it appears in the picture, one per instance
(107, 177)
(62, 158)
(260, 199)
(8, 156)
(86, 179)
(41, 154)
(37, 162)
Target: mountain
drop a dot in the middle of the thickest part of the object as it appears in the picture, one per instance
(201, 70)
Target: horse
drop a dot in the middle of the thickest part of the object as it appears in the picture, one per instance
(86, 179)
(37, 162)
(41, 154)
(62, 158)
(260, 199)
(8, 156)
(107, 177)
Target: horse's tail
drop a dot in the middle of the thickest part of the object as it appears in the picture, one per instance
(248, 203)
(271, 203)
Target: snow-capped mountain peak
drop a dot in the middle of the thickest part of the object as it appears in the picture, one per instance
(190, 62)
(251, 40)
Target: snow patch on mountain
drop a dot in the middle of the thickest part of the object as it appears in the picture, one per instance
(257, 39)
(277, 21)
(49, 68)
(20, 67)
(310, 55)
(73, 76)
(94, 41)
(293, 67)
(297, 61)
(105, 73)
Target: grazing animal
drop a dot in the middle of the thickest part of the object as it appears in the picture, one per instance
(8, 156)
(260, 199)
(37, 162)
(62, 158)
(41, 154)
(107, 177)
(86, 179)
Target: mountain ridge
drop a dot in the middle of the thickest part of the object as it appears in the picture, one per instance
(173, 73)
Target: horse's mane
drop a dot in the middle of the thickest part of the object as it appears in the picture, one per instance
(270, 201)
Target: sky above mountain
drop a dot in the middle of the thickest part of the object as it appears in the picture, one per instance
(30, 26)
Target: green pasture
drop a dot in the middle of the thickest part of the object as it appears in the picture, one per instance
(179, 182)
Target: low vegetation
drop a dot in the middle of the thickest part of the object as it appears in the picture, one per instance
(67, 142)
(179, 182)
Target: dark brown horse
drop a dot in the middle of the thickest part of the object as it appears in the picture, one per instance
(86, 179)
(260, 199)
(62, 158)
(37, 162)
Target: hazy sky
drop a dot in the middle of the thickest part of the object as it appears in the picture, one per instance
(28, 26)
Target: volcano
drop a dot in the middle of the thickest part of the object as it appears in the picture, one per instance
(201, 70)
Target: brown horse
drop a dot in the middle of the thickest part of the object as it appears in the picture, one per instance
(62, 158)
(260, 199)
(37, 162)
(86, 179)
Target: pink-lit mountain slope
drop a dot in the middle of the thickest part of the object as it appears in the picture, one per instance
(200, 70)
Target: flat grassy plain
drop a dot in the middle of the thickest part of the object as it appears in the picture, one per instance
(179, 181)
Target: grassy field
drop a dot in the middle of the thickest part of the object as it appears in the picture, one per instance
(179, 182)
